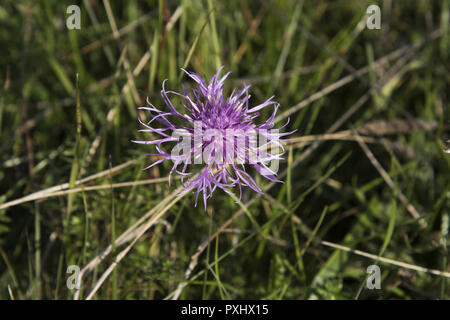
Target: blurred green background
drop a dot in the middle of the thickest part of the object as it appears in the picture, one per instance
(367, 169)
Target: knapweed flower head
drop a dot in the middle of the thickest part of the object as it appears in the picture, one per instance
(221, 135)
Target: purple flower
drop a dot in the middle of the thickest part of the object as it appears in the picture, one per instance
(218, 134)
